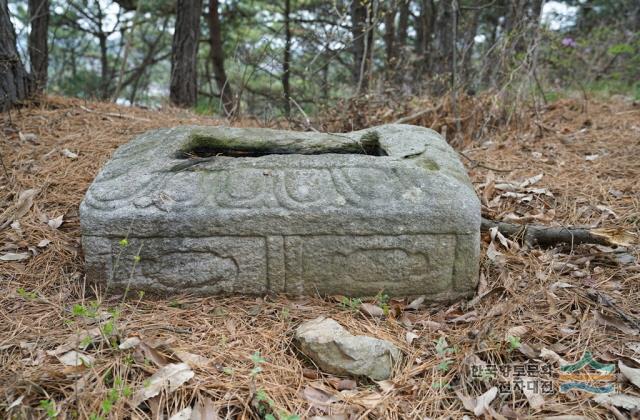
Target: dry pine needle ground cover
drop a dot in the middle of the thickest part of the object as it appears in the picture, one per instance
(69, 352)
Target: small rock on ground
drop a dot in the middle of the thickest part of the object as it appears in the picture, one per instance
(337, 351)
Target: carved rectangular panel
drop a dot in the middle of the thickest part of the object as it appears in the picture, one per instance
(365, 265)
(222, 264)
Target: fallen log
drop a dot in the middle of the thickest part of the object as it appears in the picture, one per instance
(548, 236)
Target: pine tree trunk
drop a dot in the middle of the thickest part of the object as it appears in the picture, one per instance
(442, 63)
(15, 83)
(389, 34)
(217, 59)
(104, 66)
(183, 89)
(105, 70)
(425, 24)
(38, 49)
(403, 23)
(286, 89)
(362, 40)
(469, 41)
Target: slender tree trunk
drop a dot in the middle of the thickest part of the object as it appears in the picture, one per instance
(133, 92)
(515, 13)
(325, 81)
(372, 24)
(105, 73)
(491, 56)
(634, 18)
(389, 34)
(129, 37)
(424, 33)
(74, 64)
(183, 88)
(134, 80)
(469, 42)
(403, 24)
(286, 90)
(217, 59)
(38, 49)
(418, 24)
(516, 25)
(399, 46)
(104, 66)
(362, 40)
(537, 9)
(15, 83)
(444, 41)
(454, 63)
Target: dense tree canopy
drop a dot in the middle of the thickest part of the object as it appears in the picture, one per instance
(280, 57)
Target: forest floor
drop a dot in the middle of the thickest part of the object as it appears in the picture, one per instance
(536, 309)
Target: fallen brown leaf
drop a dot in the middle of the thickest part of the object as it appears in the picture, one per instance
(469, 403)
(386, 386)
(129, 343)
(319, 397)
(191, 359)
(633, 375)
(468, 317)
(169, 378)
(483, 401)
(626, 401)
(205, 410)
(79, 340)
(518, 331)
(493, 254)
(74, 358)
(535, 399)
(22, 206)
(551, 355)
(346, 384)
(415, 304)
(310, 373)
(432, 325)
(145, 352)
(369, 400)
(528, 351)
(410, 336)
(371, 310)
(56, 223)
(13, 256)
(609, 321)
(498, 309)
(479, 405)
(405, 320)
(43, 243)
(68, 153)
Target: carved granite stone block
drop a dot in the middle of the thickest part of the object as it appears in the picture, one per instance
(244, 210)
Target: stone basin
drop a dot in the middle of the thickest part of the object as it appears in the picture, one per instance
(217, 210)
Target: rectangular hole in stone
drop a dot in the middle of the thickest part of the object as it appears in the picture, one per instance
(201, 146)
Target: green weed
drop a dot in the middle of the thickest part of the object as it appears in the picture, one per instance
(514, 343)
(26, 295)
(353, 304)
(49, 407)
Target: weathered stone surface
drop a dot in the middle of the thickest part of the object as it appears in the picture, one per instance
(238, 210)
(336, 351)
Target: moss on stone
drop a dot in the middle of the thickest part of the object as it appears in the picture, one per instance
(430, 165)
